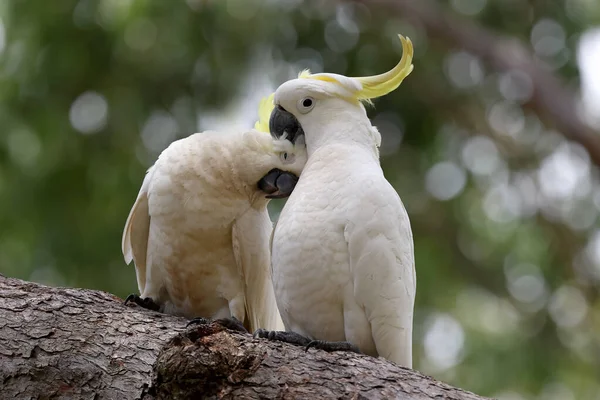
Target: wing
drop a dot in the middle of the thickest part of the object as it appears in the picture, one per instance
(380, 246)
(251, 233)
(134, 243)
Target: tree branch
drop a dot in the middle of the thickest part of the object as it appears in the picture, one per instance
(85, 344)
(550, 98)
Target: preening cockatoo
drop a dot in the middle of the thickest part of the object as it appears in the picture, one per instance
(199, 230)
(342, 249)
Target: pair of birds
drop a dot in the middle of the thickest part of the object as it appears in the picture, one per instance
(337, 269)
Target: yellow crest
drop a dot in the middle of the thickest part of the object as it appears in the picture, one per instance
(369, 87)
(264, 113)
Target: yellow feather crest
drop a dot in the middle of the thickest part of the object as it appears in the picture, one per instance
(305, 73)
(370, 87)
(264, 113)
(380, 85)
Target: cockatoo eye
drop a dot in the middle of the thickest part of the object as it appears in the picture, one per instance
(287, 158)
(306, 104)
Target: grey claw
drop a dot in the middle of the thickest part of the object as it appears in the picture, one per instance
(199, 321)
(261, 333)
(332, 346)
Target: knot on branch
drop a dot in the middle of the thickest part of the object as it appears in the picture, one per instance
(205, 361)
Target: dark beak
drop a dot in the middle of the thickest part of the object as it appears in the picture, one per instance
(282, 122)
(278, 184)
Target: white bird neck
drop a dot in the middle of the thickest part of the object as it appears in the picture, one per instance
(344, 129)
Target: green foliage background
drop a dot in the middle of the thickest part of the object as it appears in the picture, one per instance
(508, 260)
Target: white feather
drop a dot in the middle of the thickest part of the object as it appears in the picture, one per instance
(134, 243)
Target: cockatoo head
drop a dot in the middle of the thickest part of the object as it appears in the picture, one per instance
(275, 162)
(328, 107)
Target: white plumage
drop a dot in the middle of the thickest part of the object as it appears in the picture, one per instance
(342, 249)
(199, 229)
(343, 267)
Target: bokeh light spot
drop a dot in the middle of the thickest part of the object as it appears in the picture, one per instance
(547, 37)
(463, 69)
(502, 203)
(89, 113)
(444, 341)
(567, 306)
(563, 171)
(480, 155)
(526, 284)
(506, 118)
(24, 147)
(2, 37)
(445, 180)
(515, 85)
(159, 131)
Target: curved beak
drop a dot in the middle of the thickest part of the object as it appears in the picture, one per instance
(283, 122)
(278, 184)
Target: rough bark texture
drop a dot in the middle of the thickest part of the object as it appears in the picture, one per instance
(84, 344)
(74, 343)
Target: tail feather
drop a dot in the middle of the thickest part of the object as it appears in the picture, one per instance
(251, 233)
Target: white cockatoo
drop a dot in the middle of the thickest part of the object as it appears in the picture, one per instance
(342, 249)
(199, 230)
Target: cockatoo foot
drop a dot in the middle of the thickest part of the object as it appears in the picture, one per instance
(332, 346)
(145, 302)
(277, 184)
(230, 323)
(281, 336)
(198, 321)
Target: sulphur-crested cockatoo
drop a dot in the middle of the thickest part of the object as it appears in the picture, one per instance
(199, 230)
(342, 249)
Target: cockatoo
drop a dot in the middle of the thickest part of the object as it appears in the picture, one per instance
(342, 248)
(199, 230)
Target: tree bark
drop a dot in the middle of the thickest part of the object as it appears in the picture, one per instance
(63, 343)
